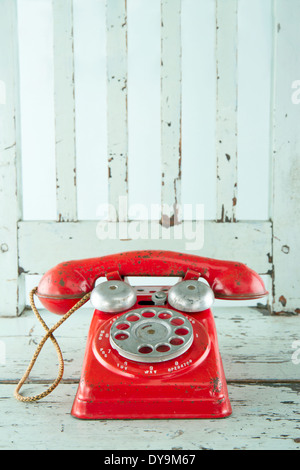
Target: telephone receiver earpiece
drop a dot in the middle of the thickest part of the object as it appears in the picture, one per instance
(62, 286)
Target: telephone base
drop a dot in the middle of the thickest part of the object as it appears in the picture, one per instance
(192, 385)
(157, 409)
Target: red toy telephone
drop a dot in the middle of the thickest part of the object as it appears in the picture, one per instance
(152, 352)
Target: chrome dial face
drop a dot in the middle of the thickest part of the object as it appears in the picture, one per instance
(154, 334)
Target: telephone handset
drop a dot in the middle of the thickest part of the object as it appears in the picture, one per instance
(152, 351)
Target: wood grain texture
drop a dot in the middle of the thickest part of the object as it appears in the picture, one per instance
(64, 100)
(286, 163)
(226, 112)
(171, 111)
(265, 417)
(254, 345)
(11, 281)
(263, 385)
(249, 243)
(117, 101)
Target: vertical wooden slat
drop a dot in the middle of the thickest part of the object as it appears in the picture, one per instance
(117, 113)
(226, 112)
(286, 161)
(171, 110)
(12, 292)
(64, 94)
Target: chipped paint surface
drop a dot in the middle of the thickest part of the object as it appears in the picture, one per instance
(12, 289)
(110, 380)
(117, 114)
(286, 163)
(36, 237)
(61, 286)
(171, 112)
(31, 241)
(226, 112)
(263, 389)
(64, 102)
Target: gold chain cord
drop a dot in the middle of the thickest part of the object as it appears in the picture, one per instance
(49, 334)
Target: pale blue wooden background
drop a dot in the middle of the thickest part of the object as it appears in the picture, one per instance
(198, 105)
